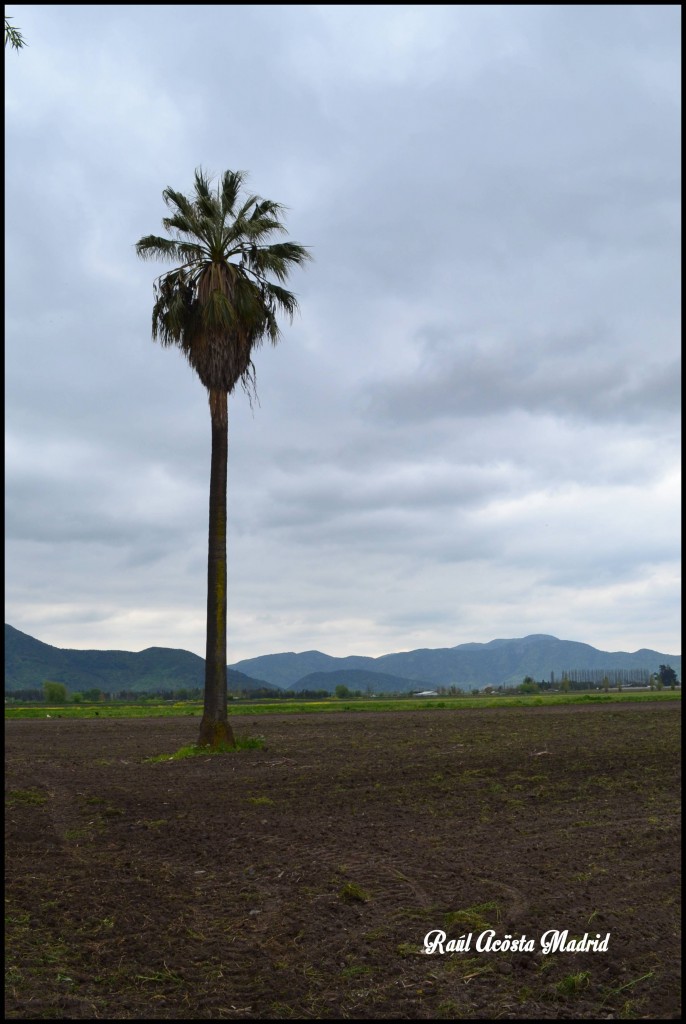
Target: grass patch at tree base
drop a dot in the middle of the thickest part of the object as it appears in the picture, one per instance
(193, 750)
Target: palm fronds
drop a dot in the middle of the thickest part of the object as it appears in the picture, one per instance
(13, 36)
(223, 297)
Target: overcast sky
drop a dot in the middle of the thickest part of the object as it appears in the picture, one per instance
(472, 428)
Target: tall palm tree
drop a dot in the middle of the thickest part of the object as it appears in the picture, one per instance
(217, 305)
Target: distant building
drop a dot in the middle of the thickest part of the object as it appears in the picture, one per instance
(426, 693)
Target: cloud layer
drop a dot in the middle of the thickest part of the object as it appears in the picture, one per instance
(472, 428)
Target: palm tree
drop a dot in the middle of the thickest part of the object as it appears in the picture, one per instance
(218, 304)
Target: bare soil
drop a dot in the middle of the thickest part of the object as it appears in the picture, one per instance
(299, 880)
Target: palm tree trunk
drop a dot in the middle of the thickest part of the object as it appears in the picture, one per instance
(214, 727)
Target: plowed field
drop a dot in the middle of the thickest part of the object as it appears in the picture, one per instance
(299, 880)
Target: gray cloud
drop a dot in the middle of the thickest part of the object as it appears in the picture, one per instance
(471, 429)
(583, 377)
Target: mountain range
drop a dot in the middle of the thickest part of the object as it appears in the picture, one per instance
(29, 663)
(499, 662)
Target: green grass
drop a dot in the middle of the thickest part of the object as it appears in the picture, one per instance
(353, 893)
(572, 984)
(478, 918)
(242, 743)
(105, 710)
(26, 796)
(332, 705)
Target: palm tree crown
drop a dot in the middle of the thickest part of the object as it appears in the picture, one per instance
(219, 303)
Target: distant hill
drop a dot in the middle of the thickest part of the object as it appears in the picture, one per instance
(356, 679)
(285, 670)
(29, 662)
(499, 662)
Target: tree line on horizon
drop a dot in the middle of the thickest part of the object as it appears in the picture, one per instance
(53, 692)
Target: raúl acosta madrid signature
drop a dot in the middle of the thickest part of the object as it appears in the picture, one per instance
(552, 941)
